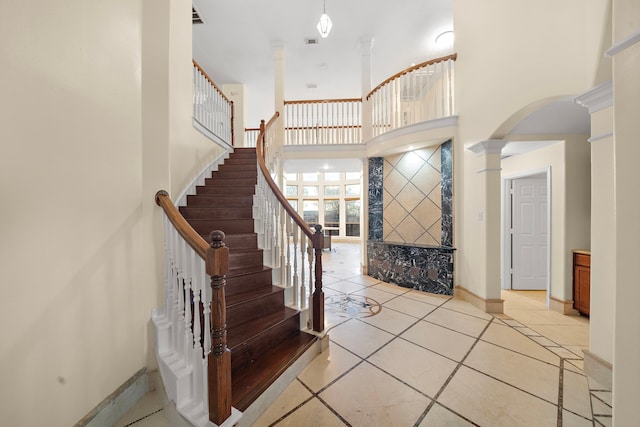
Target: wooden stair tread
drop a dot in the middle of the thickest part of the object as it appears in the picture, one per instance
(257, 377)
(254, 327)
(243, 297)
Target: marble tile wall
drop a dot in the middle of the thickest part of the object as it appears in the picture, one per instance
(412, 197)
(375, 198)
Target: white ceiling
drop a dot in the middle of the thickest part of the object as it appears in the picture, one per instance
(234, 45)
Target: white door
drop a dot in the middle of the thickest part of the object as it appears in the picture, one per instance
(530, 225)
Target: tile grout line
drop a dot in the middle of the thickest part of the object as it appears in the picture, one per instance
(448, 380)
(145, 417)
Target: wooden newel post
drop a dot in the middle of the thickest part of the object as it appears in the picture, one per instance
(263, 142)
(318, 294)
(217, 266)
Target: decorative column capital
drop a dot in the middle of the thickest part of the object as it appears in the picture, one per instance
(489, 146)
(597, 98)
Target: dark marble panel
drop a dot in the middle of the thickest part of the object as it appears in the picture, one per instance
(425, 268)
(446, 169)
(375, 198)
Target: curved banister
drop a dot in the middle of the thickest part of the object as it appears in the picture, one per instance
(210, 80)
(410, 69)
(181, 225)
(274, 187)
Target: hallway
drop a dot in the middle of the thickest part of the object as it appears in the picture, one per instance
(399, 357)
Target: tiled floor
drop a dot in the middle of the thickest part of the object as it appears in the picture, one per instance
(399, 357)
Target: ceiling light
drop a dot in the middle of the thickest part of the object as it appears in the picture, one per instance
(445, 39)
(325, 24)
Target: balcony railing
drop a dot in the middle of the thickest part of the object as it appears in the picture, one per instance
(329, 121)
(211, 108)
(420, 93)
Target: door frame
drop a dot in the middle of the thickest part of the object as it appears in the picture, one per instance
(506, 279)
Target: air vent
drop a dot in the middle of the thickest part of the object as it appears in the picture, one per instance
(311, 86)
(195, 16)
(310, 41)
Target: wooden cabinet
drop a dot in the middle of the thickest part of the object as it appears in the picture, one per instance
(582, 281)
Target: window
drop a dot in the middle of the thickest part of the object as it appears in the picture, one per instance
(294, 204)
(353, 217)
(310, 190)
(331, 190)
(353, 175)
(332, 215)
(291, 176)
(332, 176)
(310, 211)
(352, 190)
(291, 190)
(310, 176)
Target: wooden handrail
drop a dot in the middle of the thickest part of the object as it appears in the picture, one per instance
(317, 239)
(322, 101)
(413, 68)
(274, 187)
(181, 225)
(210, 80)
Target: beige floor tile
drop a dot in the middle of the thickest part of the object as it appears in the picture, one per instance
(327, 366)
(507, 337)
(577, 350)
(359, 337)
(568, 364)
(467, 308)
(599, 407)
(155, 420)
(291, 397)
(420, 368)
(367, 397)
(604, 421)
(576, 397)
(564, 334)
(410, 306)
(514, 323)
(312, 413)
(546, 342)
(427, 297)
(390, 287)
(531, 375)
(364, 280)
(573, 420)
(440, 340)
(528, 332)
(545, 317)
(378, 295)
(605, 396)
(345, 287)
(148, 404)
(391, 321)
(488, 402)
(455, 320)
(595, 385)
(579, 364)
(442, 417)
(562, 352)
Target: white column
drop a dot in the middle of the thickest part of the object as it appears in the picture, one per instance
(487, 214)
(366, 47)
(599, 357)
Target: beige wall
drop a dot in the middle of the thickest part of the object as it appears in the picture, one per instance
(87, 138)
(569, 165)
(505, 67)
(626, 104)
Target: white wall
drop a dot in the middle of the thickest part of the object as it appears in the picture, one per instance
(88, 136)
(506, 64)
(570, 198)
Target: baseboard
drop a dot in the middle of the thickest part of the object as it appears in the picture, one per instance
(484, 304)
(562, 306)
(598, 369)
(118, 403)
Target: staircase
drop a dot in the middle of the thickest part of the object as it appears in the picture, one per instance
(262, 333)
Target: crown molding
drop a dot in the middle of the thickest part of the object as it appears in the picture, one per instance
(490, 146)
(597, 98)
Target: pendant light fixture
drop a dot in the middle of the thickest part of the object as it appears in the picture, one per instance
(325, 24)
